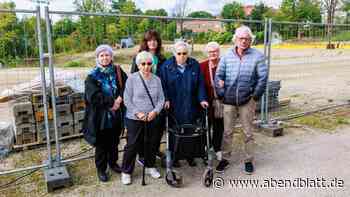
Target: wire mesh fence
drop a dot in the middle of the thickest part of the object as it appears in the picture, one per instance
(302, 69)
(310, 63)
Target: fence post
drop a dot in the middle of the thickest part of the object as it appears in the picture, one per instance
(52, 83)
(264, 108)
(43, 84)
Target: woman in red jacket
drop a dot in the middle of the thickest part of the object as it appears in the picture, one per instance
(208, 68)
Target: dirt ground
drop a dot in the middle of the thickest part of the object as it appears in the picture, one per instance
(301, 156)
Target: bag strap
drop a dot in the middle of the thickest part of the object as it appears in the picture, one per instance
(211, 80)
(149, 95)
(119, 75)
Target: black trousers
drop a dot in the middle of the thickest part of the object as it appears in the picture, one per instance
(106, 150)
(158, 135)
(218, 131)
(137, 142)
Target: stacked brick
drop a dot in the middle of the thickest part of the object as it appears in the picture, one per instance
(29, 122)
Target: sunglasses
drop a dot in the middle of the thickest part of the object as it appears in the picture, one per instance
(146, 63)
(184, 53)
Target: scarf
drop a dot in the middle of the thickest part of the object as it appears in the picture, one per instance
(107, 78)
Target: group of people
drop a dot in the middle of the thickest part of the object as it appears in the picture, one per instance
(227, 86)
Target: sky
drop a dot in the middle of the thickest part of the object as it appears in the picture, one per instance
(212, 6)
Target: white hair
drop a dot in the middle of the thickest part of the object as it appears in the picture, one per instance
(182, 44)
(243, 29)
(212, 45)
(143, 56)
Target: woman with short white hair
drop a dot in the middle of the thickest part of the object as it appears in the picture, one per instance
(216, 120)
(184, 91)
(144, 99)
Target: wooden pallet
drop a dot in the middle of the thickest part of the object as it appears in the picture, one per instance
(41, 144)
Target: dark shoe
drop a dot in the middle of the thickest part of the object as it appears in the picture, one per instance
(223, 164)
(248, 167)
(102, 176)
(160, 155)
(176, 164)
(141, 161)
(191, 162)
(116, 168)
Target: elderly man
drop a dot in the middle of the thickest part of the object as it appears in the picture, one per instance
(216, 121)
(241, 80)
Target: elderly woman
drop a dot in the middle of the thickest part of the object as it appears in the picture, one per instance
(216, 120)
(152, 43)
(144, 99)
(103, 122)
(184, 88)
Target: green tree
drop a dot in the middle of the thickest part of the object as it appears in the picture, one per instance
(128, 25)
(346, 9)
(117, 5)
(260, 12)
(232, 10)
(157, 24)
(64, 27)
(300, 11)
(200, 14)
(8, 37)
(91, 31)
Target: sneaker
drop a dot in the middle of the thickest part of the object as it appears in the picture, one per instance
(141, 161)
(248, 168)
(102, 176)
(223, 164)
(126, 179)
(153, 172)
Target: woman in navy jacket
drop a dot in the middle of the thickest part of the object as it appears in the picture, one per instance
(183, 87)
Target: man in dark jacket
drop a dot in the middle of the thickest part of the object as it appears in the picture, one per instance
(103, 120)
(241, 80)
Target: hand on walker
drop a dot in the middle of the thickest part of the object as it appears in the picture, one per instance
(167, 105)
(204, 104)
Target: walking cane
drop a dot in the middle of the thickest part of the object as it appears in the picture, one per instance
(144, 148)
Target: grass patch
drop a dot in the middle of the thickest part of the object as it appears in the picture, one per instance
(323, 121)
(284, 111)
(73, 64)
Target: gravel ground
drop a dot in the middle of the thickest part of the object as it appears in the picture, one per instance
(300, 154)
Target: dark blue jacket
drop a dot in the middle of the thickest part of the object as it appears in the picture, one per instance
(184, 90)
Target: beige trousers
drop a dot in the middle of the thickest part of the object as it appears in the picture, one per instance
(245, 114)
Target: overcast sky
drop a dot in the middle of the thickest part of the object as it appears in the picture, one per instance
(212, 6)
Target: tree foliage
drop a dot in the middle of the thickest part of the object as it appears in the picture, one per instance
(200, 14)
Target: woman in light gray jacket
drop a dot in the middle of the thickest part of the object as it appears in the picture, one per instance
(144, 99)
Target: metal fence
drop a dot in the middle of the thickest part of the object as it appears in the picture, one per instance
(309, 74)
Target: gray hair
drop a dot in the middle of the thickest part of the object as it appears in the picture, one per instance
(243, 29)
(213, 45)
(143, 56)
(182, 44)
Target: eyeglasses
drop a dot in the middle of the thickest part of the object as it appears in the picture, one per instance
(243, 38)
(146, 63)
(216, 51)
(183, 53)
